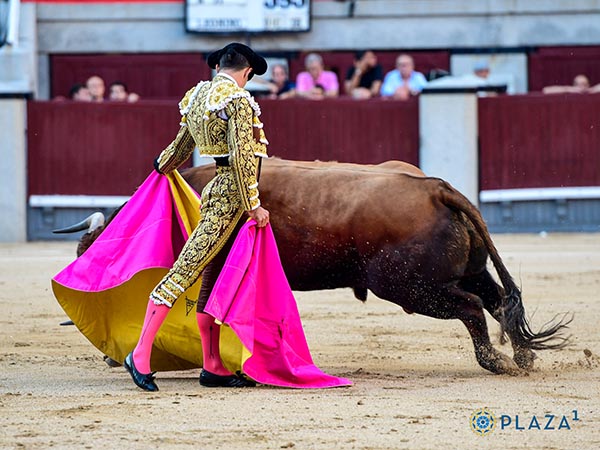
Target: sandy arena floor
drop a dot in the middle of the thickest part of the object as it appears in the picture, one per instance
(416, 379)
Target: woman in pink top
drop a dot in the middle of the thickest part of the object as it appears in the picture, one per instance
(316, 83)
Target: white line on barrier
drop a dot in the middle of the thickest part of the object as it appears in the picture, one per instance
(500, 195)
(76, 201)
(533, 194)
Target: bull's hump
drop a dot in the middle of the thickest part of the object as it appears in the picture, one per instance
(388, 167)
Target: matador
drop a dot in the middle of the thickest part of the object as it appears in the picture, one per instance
(221, 119)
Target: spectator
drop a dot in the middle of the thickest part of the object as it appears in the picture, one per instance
(280, 85)
(481, 69)
(316, 83)
(581, 82)
(363, 80)
(503, 82)
(118, 92)
(481, 77)
(581, 85)
(95, 85)
(80, 93)
(403, 81)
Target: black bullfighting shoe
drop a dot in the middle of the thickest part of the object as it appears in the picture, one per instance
(208, 379)
(144, 381)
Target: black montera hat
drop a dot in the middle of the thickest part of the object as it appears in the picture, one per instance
(257, 62)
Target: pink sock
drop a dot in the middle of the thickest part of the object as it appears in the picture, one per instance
(209, 333)
(155, 316)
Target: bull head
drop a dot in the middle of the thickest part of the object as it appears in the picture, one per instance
(94, 224)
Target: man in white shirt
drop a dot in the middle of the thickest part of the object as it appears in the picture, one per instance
(403, 82)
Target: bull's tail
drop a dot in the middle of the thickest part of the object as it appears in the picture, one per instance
(513, 320)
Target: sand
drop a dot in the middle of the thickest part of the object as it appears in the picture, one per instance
(416, 379)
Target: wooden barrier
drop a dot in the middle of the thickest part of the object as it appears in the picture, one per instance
(532, 141)
(108, 149)
(559, 65)
(154, 76)
(342, 130)
(95, 149)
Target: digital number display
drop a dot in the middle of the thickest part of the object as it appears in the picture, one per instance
(253, 16)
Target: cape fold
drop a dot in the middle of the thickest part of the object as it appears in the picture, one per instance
(252, 296)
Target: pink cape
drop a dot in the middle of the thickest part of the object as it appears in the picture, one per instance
(105, 292)
(253, 297)
(147, 233)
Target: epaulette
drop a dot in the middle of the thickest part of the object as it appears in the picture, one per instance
(188, 99)
(223, 91)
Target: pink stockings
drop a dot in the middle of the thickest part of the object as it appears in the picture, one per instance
(155, 316)
(209, 333)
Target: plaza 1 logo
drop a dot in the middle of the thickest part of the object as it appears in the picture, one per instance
(483, 422)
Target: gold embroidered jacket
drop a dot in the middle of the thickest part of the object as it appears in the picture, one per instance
(221, 119)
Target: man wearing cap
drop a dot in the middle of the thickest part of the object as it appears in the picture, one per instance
(481, 69)
(221, 119)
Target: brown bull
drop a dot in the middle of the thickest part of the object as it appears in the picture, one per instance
(412, 240)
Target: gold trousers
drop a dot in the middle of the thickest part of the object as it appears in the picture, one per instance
(220, 212)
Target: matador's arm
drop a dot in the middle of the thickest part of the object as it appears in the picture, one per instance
(182, 146)
(176, 153)
(241, 144)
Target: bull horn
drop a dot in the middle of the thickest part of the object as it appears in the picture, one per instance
(90, 223)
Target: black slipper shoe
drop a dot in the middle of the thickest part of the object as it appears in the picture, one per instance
(208, 379)
(144, 381)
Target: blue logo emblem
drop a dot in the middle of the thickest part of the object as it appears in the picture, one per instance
(483, 422)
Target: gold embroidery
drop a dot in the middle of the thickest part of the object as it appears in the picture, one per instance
(177, 152)
(223, 90)
(220, 213)
(220, 118)
(205, 111)
(183, 145)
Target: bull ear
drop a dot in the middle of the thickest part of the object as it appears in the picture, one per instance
(90, 223)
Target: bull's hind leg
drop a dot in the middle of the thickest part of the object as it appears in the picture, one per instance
(484, 286)
(469, 310)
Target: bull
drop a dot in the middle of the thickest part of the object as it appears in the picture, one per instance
(409, 239)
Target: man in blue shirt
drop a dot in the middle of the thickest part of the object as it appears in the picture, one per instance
(403, 81)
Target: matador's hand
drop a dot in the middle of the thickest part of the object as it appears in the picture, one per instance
(156, 165)
(260, 215)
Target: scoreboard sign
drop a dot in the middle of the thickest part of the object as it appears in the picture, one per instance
(247, 16)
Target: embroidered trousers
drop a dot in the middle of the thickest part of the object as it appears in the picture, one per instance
(220, 212)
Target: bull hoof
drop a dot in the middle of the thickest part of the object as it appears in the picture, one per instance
(498, 363)
(524, 358)
(111, 362)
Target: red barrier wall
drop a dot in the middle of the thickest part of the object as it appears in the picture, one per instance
(525, 141)
(152, 76)
(108, 149)
(342, 130)
(539, 141)
(95, 149)
(559, 65)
